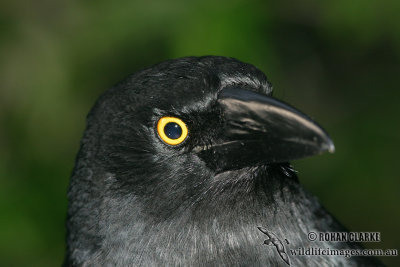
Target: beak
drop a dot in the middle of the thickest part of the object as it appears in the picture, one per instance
(258, 129)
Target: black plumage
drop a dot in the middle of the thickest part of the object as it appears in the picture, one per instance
(136, 201)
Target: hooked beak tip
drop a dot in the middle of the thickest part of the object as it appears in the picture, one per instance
(330, 147)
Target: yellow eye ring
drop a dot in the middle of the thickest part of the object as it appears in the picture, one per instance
(171, 130)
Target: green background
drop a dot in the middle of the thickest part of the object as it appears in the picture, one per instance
(337, 61)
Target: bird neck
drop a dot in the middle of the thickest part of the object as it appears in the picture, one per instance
(231, 208)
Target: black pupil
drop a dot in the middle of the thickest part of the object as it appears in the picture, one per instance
(173, 130)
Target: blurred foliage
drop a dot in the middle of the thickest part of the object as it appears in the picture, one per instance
(338, 61)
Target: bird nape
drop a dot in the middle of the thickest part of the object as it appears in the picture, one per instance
(186, 164)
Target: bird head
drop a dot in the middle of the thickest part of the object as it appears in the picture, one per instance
(212, 111)
(168, 132)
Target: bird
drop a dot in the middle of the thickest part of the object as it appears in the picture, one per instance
(187, 163)
(273, 240)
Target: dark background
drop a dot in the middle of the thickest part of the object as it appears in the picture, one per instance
(337, 61)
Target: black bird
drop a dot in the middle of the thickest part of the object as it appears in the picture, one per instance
(181, 163)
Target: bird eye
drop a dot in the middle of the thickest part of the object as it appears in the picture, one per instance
(171, 130)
